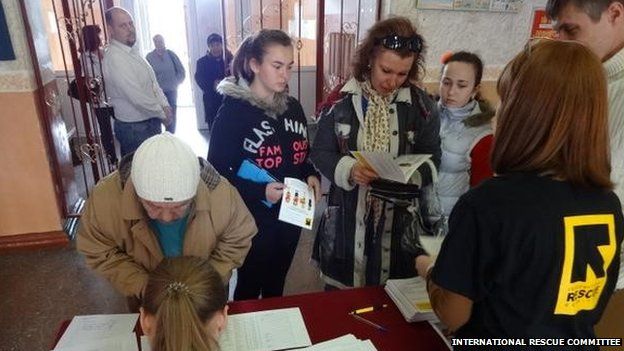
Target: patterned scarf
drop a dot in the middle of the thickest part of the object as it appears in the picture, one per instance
(376, 120)
(377, 138)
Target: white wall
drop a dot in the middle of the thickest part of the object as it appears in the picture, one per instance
(203, 18)
(496, 37)
(307, 98)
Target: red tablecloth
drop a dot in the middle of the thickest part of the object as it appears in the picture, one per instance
(326, 315)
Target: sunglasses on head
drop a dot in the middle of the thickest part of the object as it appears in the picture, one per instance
(395, 42)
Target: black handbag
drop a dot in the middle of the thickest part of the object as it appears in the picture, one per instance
(72, 89)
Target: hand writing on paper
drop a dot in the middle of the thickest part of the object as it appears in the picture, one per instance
(362, 175)
(273, 192)
(315, 185)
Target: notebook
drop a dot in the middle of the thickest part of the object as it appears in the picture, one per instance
(411, 298)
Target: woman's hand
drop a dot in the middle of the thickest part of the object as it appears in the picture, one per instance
(362, 175)
(315, 184)
(274, 192)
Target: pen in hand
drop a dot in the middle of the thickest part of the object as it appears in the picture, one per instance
(372, 324)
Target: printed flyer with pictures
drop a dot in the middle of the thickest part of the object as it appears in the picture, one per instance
(297, 205)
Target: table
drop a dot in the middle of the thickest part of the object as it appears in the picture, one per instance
(326, 315)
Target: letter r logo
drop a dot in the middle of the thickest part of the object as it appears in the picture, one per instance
(589, 249)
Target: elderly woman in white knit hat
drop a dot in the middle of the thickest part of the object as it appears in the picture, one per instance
(163, 201)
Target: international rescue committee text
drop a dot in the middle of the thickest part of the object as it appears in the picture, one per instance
(537, 342)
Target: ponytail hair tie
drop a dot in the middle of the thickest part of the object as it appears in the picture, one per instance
(175, 288)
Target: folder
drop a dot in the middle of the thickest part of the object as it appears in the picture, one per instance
(249, 170)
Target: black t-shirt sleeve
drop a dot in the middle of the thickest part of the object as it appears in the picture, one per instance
(461, 266)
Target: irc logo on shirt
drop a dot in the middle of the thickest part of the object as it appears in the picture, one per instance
(590, 247)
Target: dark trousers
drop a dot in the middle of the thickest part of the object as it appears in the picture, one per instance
(172, 99)
(131, 134)
(104, 115)
(212, 103)
(264, 271)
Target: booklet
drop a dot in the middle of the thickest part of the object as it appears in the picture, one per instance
(297, 205)
(411, 298)
(399, 169)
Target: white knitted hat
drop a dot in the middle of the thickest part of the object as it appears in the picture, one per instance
(165, 169)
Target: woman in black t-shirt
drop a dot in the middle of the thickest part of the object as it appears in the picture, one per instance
(534, 252)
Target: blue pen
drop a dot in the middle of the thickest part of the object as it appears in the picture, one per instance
(375, 325)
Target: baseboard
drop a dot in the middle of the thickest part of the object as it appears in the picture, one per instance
(33, 241)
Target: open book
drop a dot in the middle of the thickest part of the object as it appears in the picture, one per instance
(411, 298)
(399, 169)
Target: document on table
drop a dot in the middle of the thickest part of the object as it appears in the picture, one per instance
(297, 206)
(125, 342)
(265, 330)
(145, 344)
(85, 330)
(344, 343)
(440, 328)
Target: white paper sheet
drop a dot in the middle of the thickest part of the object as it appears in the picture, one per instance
(297, 205)
(265, 330)
(126, 342)
(145, 344)
(399, 169)
(344, 343)
(85, 329)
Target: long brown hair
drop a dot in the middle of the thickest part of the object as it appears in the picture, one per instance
(254, 47)
(368, 49)
(553, 114)
(184, 293)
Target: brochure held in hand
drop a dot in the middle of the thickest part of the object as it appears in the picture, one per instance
(398, 169)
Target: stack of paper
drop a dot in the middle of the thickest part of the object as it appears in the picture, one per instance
(112, 332)
(344, 343)
(266, 330)
(411, 298)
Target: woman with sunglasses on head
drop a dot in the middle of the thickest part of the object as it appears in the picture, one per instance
(259, 124)
(364, 239)
(534, 251)
(465, 129)
(184, 306)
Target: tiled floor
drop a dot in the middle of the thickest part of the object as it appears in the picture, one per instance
(39, 289)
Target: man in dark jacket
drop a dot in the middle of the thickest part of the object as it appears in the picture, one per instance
(211, 69)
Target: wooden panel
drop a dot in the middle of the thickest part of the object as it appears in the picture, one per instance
(27, 189)
(12, 243)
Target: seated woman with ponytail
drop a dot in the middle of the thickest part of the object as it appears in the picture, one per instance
(184, 306)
